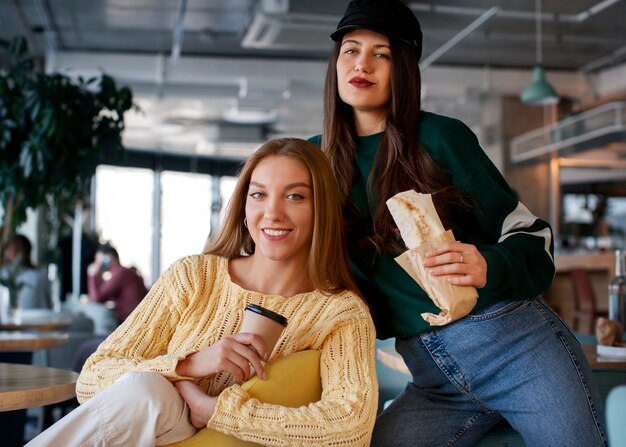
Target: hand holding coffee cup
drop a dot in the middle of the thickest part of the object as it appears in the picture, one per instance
(265, 323)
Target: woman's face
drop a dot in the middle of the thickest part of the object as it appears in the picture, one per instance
(279, 209)
(11, 253)
(364, 71)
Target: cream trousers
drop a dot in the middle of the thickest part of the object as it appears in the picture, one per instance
(140, 409)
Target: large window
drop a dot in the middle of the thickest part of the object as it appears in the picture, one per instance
(124, 214)
(185, 214)
(148, 236)
(227, 186)
(593, 220)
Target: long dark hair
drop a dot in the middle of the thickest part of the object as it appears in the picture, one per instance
(400, 163)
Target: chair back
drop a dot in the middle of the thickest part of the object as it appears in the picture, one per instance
(81, 329)
(584, 297)
(104, 319)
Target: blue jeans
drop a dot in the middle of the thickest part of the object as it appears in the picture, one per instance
(515, 360)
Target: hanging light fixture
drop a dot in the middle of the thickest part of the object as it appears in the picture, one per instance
(539, 92)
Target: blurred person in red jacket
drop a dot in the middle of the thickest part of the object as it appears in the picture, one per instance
(108, 280)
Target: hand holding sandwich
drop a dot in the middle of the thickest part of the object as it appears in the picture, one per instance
(463, 262)
(447, 270)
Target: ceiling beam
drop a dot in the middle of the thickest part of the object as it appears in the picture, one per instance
(520, 15)
(179, 29)
(480, 21)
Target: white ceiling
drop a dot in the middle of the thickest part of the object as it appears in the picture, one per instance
(199, 68)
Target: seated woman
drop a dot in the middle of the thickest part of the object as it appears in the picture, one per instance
(176, 363)
(34, 292)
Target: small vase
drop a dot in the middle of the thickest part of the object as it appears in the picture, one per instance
(11, 312)
(14, 310)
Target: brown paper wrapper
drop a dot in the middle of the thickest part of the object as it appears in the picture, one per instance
(454, 301)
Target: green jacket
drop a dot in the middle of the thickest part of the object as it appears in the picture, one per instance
(517, 245)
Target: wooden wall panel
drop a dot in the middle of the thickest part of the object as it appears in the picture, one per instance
(530, 180)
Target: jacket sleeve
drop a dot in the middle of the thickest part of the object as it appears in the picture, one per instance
(520, 262)
(345, 413)
(517, 245)
(141, 342)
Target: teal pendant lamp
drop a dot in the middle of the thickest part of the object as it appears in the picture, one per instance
(539, 92)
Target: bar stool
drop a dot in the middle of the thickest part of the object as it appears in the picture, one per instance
(585, 307)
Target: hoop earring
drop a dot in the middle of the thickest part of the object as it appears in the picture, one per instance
(245, 222)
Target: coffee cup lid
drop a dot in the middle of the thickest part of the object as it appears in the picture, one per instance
(267, 313)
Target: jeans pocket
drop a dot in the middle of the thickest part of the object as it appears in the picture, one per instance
(495, 310)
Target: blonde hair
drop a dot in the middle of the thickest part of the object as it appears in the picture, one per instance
(327, 265)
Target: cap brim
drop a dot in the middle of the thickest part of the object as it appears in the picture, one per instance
(339, 32)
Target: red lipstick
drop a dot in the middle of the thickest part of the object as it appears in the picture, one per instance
(360, 82)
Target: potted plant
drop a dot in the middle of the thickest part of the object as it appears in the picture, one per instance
(54, 131)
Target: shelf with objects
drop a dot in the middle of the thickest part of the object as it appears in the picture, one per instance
(586, 158)
(598, 127)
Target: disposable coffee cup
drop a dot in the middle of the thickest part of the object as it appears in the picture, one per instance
(265, 323)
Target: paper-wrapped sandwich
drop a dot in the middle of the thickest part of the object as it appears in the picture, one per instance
(421, 229)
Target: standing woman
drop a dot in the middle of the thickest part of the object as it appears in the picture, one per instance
(177, 362)
(512, 357)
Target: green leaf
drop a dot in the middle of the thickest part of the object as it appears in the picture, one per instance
(54, 131)
(18, 47)
(26, 161)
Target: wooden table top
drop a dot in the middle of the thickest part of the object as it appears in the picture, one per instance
(31, 341)
(598, 361)
(40, 323)
(25, 386)
(389, 356)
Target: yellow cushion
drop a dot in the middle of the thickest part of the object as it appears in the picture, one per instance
(292, 381)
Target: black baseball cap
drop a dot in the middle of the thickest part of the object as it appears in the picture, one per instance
(389, 17)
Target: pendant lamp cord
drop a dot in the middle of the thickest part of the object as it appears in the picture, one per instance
(538, 27)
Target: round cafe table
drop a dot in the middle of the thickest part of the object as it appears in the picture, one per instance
(31, 341)
(25, 386)
(600, 361)
(41, 323)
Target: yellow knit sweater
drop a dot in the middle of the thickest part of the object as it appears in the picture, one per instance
(195, 303)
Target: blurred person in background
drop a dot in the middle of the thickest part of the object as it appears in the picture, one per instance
(108, 280)
(34, 292)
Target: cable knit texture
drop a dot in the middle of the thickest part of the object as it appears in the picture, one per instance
(195, 303)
